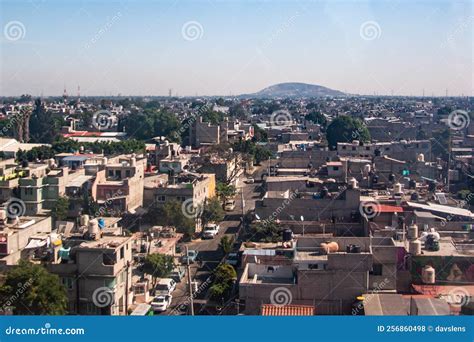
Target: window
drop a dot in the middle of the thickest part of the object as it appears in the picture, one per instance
(343, 147)
(122, 253)
(127, 173)
(335, 168)
(376, 270)
(161, 198)
(367, 148)
(353, 148)
(111, 173)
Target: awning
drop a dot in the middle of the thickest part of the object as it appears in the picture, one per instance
(36, 243)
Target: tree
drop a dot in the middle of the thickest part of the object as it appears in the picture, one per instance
(261, 153)
(317, 118)
(345, 129)
(171, 214)
(259, 134)
(158, 266)
(60, 209)
(225, 277)
(266, 231)
(30, 289)
(225, 191)
(213, 211)
(151, 123)
(226, 244)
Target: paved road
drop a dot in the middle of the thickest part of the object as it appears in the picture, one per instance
(209, 252)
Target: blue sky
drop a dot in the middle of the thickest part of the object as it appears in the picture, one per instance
(143, 47)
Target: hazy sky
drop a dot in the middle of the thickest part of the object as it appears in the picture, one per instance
(232, 47)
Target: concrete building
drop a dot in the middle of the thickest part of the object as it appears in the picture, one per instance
(16, 234)
(309, 275)
(96, 274)
(120, 184)
(41, 187)
(194, 187)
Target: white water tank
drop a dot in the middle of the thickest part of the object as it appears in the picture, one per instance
(51, 163)
(353, 183)
(428, 275)
(367, 169)
(421, 158)
(415, 247)
(3, 214)
(133, 161)
(397, 188)
(93, 228)
(413, 232)
(104, 161)
(84, 220)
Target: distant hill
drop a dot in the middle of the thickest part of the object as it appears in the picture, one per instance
(294, 89)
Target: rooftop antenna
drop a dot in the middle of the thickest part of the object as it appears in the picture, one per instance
(446, 92)
(170, 92)
(423, 92)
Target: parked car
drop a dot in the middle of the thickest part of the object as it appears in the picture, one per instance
(229, 205)
(177, 274)
(191, 257)
(250, 180)
(232, 259)
(161, 302)
(165, 286)
(210, 230)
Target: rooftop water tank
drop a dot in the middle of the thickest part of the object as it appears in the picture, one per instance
(287, 235)
(367, 169)
(84, 220)
(415, 247)
(397, 188)
(352, 183)
(93, 229)
(421, 158)
(413, 232)
(428, 275)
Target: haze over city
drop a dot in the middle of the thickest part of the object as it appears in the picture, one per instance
(228, 48)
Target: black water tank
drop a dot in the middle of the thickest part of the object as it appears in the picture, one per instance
(324, 192)
(391, 177)
(412, 184)
(287, 235)
(414, 196)
(375, 179)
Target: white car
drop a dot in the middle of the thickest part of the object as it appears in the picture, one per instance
(250, 180)
(229, 205)
(210, 231)
(161, 302)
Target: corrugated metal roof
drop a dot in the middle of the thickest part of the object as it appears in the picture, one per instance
(287, 310)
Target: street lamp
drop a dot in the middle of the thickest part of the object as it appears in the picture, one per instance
(302, 220)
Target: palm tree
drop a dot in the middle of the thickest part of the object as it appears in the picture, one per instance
(226, 244)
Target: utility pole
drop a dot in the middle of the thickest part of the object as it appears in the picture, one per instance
(188, 269)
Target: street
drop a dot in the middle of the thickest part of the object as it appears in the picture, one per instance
(209, 253)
